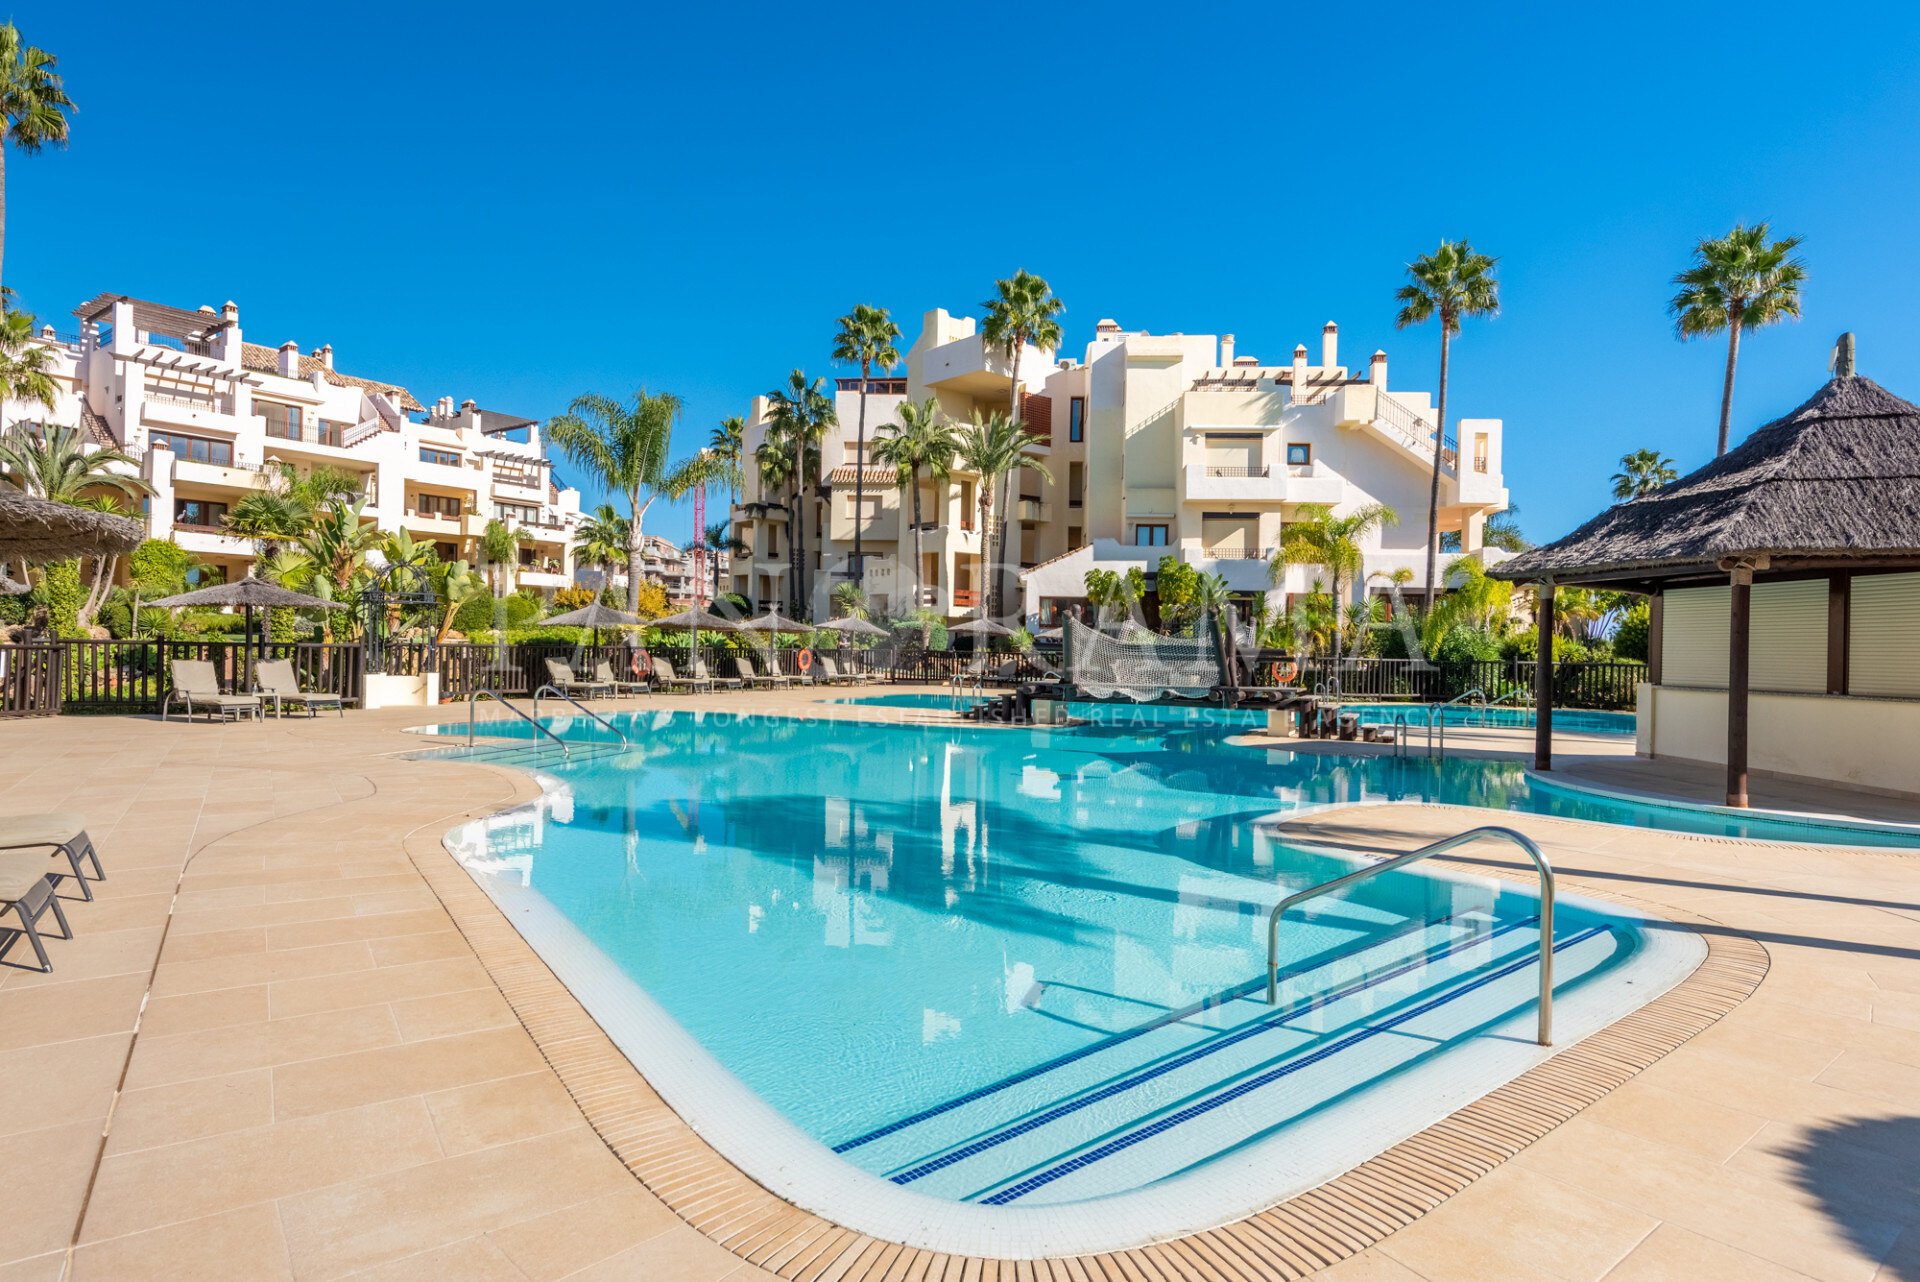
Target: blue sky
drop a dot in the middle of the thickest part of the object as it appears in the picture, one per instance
(685, 197)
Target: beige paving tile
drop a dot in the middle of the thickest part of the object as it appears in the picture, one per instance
(58, 1012)
(1511, 1226)
(262, 1044)
(1896, 1083)
(225, 1172)
(47, 1177)
(448, 1013)
(561, 1243)
(384, 984)
(60, 1082)
(680, 1253)
(1714, 1131)
(411, 1068)
(502, 1111)
(192, 1012)
(1673, 1254)
(116, 952)
(343, 929)
(237, 1246)
(216, 943)
(192, 1110)
(375, 1220)
(405, 950)
(40, 1268)
(174, 978)
(473, 1259)
(1370, 1266)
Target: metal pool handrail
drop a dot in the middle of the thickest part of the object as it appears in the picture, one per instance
(1445, 844)
(549, 686)
(473, 702)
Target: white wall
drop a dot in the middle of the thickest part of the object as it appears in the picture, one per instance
(1866, 743)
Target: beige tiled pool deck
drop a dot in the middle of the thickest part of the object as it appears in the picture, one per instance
(329, 1081)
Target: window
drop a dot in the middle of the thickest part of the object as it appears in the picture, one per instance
(1299, 455)
(197, 449)
(443, 505)
(1077, 419)
(281, 420)
(199, 513)
(514, 512)
(446, 458)
(1150, 536)
(867, 508)
(333, 432)
(1076, 484)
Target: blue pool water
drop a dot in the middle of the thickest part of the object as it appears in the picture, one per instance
(1009, 968)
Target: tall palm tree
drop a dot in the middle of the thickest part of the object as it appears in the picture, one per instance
(33, 106)
(728, 445)
(55, 464)
(26, 367)
(923, 440)
(798, 417)
(625, 447)
(1022, 312)
(866, 338)
(780, 462)
(600, 541)
(995, 448)
(1737, 282)
(1643, 472)
(1453, 282)
(1318, 537)
(499, 547)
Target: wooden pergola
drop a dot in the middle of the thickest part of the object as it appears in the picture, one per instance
(1831, 491)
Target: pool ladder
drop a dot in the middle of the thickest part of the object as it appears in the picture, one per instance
(1440, 847)
(473, 702)
(550, 688)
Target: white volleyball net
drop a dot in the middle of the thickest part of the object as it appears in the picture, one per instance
(1144, 667)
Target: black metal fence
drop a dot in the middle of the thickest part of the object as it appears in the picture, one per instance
(1575, 685)
(135, 676)
(30, 680)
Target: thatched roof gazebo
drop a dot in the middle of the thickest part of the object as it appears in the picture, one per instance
(38, 530)
(1785, 573)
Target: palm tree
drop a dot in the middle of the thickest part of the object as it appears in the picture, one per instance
(26, 367)
(600, 541)
(1318, 537)
(499, 548)
(1502, 531)
(866, 338)
(625, 447)
(53, 464)
(924, 440)
(995, 448)
(1453, 282)
(715, 541)
(1022, 311)
(1643, 472)
(283, 510)
(798, 416)
(33, 106)
(1737, 282)
(727, 444)
(331, 554)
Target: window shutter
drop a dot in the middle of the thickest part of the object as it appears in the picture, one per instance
(1693, 647)
(1884, 632)
(1788, 640)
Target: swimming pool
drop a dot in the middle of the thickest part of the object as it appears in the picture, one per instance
(936, 982)
(1565, 720)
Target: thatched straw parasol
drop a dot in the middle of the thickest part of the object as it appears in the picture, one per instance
(595, 616)
(695, 620)
(249, 594)
(982, 628)
(38, 531)
(853, 627)
(774, 621)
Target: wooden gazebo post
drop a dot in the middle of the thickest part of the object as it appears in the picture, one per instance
(1543, 677)
(1738, 650)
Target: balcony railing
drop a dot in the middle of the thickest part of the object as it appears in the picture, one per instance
(965, 598)
(206, 404)
(1237, 554)
(312, 435)
(1237, 471)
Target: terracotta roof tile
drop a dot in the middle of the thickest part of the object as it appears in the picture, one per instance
(267, 360)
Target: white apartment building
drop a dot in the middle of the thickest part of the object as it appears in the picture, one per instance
(666, 563)
(1156, 444)
(207, 414)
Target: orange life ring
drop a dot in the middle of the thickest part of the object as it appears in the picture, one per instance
(640, 663)
(1283, 673)
(804, 659)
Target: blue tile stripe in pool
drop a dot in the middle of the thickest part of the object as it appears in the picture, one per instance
(1266, 1023)
(1014, 1192)
(1171, 1017)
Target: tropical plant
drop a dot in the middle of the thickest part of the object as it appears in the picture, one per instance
(499, 547)
(1643, 472)
(456, 584)
(26, 367)
(600, 541)
(1452, 283)
(866, 338)
(1113, 594)
(798, 417)
(1502, 531)
(1176, 584)
(849, 601)
(33, 106)
(994, 448)
(278, 514)
(1318, 537)
(1737, 282)
(1022, 312)
(728, 444)
(330, 556)
(625, 447)
(1475, 602)
(54, 464)
(923, 440)
(715, 541)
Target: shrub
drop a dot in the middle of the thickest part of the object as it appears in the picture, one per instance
(60, 593)
(573, 598)
(483, 613)
(1630, 640)
(1524, 645)
(1465, 644)
(652, 601)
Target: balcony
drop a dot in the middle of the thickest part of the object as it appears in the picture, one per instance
(541, 578)
(1031, 507)
(883, 527)
(1305, 483)
(174, 410)
(205, 540)
(437, 524)
(328, 438)
(216, 476)
(966, 598)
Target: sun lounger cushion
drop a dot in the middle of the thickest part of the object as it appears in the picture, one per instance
(54, 828)
(20, 871)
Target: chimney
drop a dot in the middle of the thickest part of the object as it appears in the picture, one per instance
(230, 311)
(1299, 369)
(1107, 326)
(325, 353)
(1226, 351)
(1843, 356)
(1377, 371)
(290, 359)
(1329, 345)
